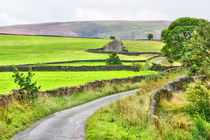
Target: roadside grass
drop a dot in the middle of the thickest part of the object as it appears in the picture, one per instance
(50, 80)
(18, 116)
(16, 49)
(184, 123)
(129, 118)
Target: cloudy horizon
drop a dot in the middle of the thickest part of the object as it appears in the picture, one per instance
(14, 12)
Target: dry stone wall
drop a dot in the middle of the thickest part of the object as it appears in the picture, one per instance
(167, 92)
(6, 99)
(72, 68)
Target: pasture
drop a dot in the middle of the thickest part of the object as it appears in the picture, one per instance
(15, 49)
(50, 80)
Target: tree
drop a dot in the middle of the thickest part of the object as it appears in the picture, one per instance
(197, 50)
(150, 36)
(112, 37)
(113, 59)
(179, 31)
(27, 87)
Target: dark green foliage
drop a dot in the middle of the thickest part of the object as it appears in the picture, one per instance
(27, 87)
(113, 59)
(178, 32)
(112, 37)
(199, 100)
(156, 67)
(150, 36)
(197, 49)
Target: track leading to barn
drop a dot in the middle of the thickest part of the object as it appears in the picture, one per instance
(68, 124)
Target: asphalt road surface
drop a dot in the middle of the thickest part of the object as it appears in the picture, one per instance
(67, 124)
(158, 61)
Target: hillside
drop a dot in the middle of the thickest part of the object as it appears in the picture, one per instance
(126, 30)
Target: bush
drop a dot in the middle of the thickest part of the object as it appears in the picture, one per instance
(27, 87)
(113, 59)
(141, 66)
(199, 100)
(150, 36)
(112, 37)
(156, 67)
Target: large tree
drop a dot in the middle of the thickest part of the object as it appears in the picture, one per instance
(197, 51)
(179, 31)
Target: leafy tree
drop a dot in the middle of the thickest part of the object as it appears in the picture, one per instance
(25, 83)
(112, 37)
(178, 32)
(113, 59)
(197, 51)
(150, 36)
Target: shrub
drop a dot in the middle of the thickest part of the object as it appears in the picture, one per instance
(27, 87)
(112, 37)
(150, 36)
(113, 59)
(156, 67)
(199, 100)
(141, 66)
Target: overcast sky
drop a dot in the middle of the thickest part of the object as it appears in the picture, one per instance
(39, 11)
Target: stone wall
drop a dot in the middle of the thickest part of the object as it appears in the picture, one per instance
(167, 92)
(72, 68)
(75, 61)
(6, 99)
(124, 53)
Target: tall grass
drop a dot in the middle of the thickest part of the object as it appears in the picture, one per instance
(128, 118)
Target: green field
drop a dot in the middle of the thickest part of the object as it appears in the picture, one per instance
(50, 80)
(16, 49)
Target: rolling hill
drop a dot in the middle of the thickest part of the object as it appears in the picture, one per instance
(126, 30)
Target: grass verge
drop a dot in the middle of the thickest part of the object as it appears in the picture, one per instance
(129, 118)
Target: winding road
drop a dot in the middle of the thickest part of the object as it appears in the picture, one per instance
(67, 124)
(158, 61)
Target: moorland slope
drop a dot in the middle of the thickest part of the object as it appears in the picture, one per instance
(126, 30)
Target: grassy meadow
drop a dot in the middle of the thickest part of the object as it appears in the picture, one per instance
(16, 49)
(50, 80)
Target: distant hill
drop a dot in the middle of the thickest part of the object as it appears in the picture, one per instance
(102, 29)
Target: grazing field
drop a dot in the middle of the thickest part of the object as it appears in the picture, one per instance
(16, 49)
(50, 80)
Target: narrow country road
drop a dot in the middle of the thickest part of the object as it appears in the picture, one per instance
(158, 61)
(67, 124)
